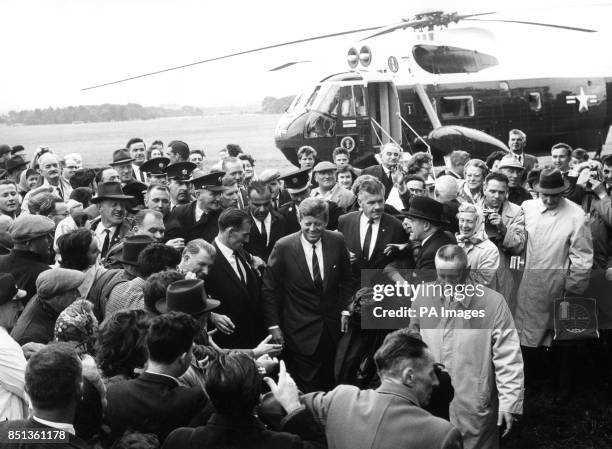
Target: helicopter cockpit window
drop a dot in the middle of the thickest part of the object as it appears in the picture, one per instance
(338, 100)
(535, 101)
(460, 106)
(441, 59)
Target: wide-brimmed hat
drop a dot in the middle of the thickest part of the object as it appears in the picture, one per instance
(15, 162)
(121, 157)
(425, 208)
(110, 191)
(551, 182)
(8, 289)
(510, 161)
(189, 296)
(132, 247)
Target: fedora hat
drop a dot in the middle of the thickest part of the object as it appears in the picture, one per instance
(110, 191)
(132, 247)
(120, 157)
(551, 182)
(189, 296)
(426, 208)
(15, 162)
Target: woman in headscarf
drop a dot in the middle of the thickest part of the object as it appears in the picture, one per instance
(470, 191)
(482, 254)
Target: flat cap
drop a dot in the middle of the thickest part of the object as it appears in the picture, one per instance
(324, 166)
(269, 175)
(510, 161)
(56, 281)
(27, 227)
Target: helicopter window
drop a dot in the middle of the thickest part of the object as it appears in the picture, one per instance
(409, 107)
(457, 107)
(359, 97)
(441, 59)
(535, 101)
(335, 99)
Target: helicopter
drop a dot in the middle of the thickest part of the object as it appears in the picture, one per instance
(442, 87)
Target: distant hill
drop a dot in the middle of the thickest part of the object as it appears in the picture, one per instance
(272, 105)
(95, 113)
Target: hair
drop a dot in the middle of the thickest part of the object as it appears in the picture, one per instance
(232, 218)
(467, 208)
(398, 346)
(39, 199)
(346, 169)
(449, 253)
(580, 154)
(495, 156)
(306, 151)
(157, 257)
(260, 187)
(200, 152)
(368, 185)
(30, 172)
(132, 439)
(83, 177)
(233, 149)
(496, 177)
(479, 164)
(414, 177)
(181, 150)
(459, 158)
(228, 181)
(158, 187)
(233, 384)
(47, 205)
(140, 216)
(533, 177)
(340, 150)
(156, 143)
(360, 180)
(171, 335)
(563, 146)
(73, 249)
(120, 343)
(517, 132)
(247, 157)
(134, 140)
(52, 376)
(6, 182)
(390, 145)
(156, 285)
(314, 207)
(607, 160)
(416, 162)
(229, 160)
(196, 246)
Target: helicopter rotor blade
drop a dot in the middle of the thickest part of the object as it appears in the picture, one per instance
(550, 25)
(287, 64)
(253, 50)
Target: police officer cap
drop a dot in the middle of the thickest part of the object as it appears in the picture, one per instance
(27, 227)
(155, 166)
(297, 181)
(180, 171)
(212, 182)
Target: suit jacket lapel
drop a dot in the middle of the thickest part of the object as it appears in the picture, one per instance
(380, 236)
(225, 265)
(301, 258)
(327, 260)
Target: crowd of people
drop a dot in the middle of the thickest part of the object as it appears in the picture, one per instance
(167, 300)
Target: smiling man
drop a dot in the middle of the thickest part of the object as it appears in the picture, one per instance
(329, 190)
(49, 168)
(9, 198)
(137, 149)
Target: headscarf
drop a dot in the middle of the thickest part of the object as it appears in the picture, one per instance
(479, 234)
(77, 324)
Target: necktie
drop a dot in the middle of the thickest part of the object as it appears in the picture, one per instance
(275, 204)
(106, 243)
(240, 273)
(264, 232)
(367, 241)
(316, 271)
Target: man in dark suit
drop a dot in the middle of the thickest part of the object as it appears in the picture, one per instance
(233, 167)
(198, 219)
(233, 281)
(271, 177)
(369, 231)
(297, 184)
(445, 191)
(233, 384)
(307, 287)
(268, 225)
(517, 141)
(54, 399)
(392, 416)
(389, 159)
(154, 402)
(179, 183)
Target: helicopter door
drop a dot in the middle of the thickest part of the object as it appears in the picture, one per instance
(384, 108)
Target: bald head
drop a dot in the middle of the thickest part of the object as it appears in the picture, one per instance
(447, 188)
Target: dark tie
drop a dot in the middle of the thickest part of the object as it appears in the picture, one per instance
(240, 273)
(264, 233)
(275, 204)
(106, 243)
(316, 271)
(367, 241)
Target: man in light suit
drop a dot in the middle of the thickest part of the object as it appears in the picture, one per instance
(390, 416)
(307, 287)
(389, 159)
(517, 141)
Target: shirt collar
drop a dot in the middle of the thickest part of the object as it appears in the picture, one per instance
(306, 243)
(225, 250)
(363, 220)
(56, 425)
(163, 375)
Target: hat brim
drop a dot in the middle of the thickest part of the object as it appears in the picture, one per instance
(15, 167)
(553, 191)
(122, 162)
(97, 199)
(297, 190)
(517, 166)
(422, 217)
(211, 304)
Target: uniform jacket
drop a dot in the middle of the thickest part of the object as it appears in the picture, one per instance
(25, 266)
(256, 244)
(379, 173)
(152, 403)
(206, 228)
(489, 376)
(388, 417)
(290, 212)
(73, 442)
(559, 255)
(290, 298)
(239, 302)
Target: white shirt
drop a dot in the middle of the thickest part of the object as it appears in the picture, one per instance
(228, 253)
(138, 174)
(307, 246)
(56, 425)
(363, 229)
(198, 213)
(267, 222)
(13, 402)
(101, 235)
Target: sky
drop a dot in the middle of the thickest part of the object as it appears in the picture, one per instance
(52, 49)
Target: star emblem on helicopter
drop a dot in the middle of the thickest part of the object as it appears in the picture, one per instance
(582, 99)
